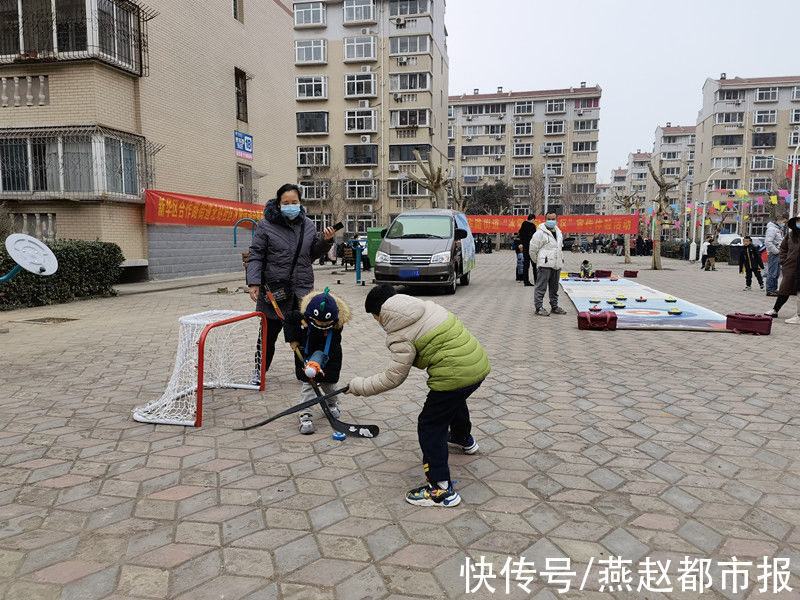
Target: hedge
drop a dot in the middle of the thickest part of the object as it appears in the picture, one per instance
(85, 269)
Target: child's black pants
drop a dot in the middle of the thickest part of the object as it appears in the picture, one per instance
(748, 276)
(443, 411)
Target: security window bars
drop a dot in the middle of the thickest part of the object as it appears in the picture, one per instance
(241, 94)
(727, 140)
(311, 123)
(360, 48)
(413, 117)
(359, 10)
(408, 82)
(314, 189)
(309, 13)
(408, 188)
(407, 7)
(313, 156)
(312, 87)
(361, 154)
(244, 175)
(360, 85)
(410, 44)
(556, 106)
(361, 189)
(360, 121)
(553, 127)
(765, 140)
(121, 167)
(524, 128)
(310, 51)
(766, 94)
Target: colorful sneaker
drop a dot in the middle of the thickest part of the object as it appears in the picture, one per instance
(469, 446)
(306, 424)
(430, 495)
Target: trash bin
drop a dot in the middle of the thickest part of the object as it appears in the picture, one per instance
(374, 240)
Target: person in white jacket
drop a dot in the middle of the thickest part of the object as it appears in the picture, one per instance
(772, 240)
(545, 250)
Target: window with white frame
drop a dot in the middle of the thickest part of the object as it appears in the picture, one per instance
(309, 13)
(766, 117)
(312, 87)
(405, 152)
(471, 171)
(359, 10)
(587, 103)
(451, 112)
(730, 95)
(494, 170)
(310, 51)
(361, 189)
(691, 155)
(314, 189)
(583, 167)
(724, 184)
(407, 187)
(521, 190)
(313, 156)
(766, 94)
(585, 124)
(451, 134)
(584, 146)
(360, 121)
(671, 171)
(555, 189)
(556, 106)
(793, 159)
(521, 149)
(312, 122)
(523, 170)
(794, 138)
(523, 128)
(670, 155)
(494, 150)
(471, 130)
(556, 169)
(495, 129)
(519, 210)
(729, 118)
(409, 82)
(796, 92)
(360, 85)
(583, 188)
(413, 117)
(726, 162)
(761, 183)
(554, 148)
(553, 127)
(121, 167)
(407, 7)
(524, 107)
(410, 44)
(360, 48)
(762, 162)
(795, 118)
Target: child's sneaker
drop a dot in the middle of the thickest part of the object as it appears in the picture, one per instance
(772, 313)
(795, 320)
(761, 285)
(306, 424)
(334, 408)
(746, 288)
(431, 495)
(468, 446)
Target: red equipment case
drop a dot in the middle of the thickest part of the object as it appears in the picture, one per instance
(601, 273)
(605, 320)
(630, 274)
(744, 323)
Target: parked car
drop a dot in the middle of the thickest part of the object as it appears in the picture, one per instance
(567, 244)
(432, 247)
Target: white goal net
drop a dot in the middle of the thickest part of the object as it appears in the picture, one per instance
(216, 349)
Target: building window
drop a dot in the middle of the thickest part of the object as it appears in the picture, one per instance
(794, 138)
(523, 170)
(762, 163)
(451, 152)
(727, 140)
(313, 156)
(587, 103)
(671, 171)
(555, 148)
(761, 184)
(585, 125)
(408, 188)
(360, 121)
(408, 82)
(523, 128)
(451, 132)
(523, 149)
(730, 95)
(312, 87)
(410, 44)
(553, 127)
(554, 189)
(584, 146)
(414, 117)
(556, 169)
(521, 190)
(451, 112)
(765, 140)
(309, 13)
(358, 10)
(408, 7)
(361, 154)
(556, 106)
(670, 155)
(795, 118)
(360, 85)
(583, 167)
(245, 183)
(726, 162)
(360, 48)
(121, 167)
(314, 189)
(729, 118)
(766, 117)
(724, 184)
(405, 152)
(523, 108)
(670, 139)
(796, 92)
(361, 189)
(767, 94)
(310, 51)
(312, 122)
(583, 188)
(241, 94)
(238, 10)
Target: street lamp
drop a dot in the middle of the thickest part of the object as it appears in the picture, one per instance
(693, 246)
(402, 179)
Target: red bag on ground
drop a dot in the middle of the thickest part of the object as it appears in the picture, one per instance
(743, 323)
(605, 320)
(601, 273)
(630, 274)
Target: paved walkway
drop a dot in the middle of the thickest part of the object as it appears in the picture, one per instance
(658, 444)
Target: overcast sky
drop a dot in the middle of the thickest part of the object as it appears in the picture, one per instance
(650, 58)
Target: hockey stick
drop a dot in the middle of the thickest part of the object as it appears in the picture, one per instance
(294, 409)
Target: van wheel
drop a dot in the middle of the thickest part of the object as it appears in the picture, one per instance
(464, 279)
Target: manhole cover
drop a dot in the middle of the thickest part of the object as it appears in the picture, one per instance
(50, 320)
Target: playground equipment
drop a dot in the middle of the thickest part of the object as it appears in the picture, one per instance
(29, 254)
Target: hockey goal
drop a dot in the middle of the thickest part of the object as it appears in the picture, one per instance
(216, 349)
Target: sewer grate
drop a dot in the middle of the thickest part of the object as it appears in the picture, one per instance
(50, 320)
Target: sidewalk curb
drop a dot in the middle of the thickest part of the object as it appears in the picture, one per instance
(163, 285)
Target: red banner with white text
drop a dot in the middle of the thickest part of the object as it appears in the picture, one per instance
(166, 208)
(618, 224)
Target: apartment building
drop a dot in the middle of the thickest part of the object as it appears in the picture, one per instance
(603, 198)
(673, 150)
(510, 136)
(370, 86)
(748, 130)
(637, 173)
(101, 99)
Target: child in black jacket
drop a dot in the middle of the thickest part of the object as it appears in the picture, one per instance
(317, 330)
(750, 262)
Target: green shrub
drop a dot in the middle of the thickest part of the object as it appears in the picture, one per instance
(85, 269)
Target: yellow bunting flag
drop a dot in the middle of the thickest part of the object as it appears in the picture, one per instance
(741, 193)
(708, 221)
(773, 199)
(717, 205)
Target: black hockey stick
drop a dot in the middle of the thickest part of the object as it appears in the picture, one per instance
(294, 409)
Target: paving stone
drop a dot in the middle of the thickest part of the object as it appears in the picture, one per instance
(623, 544)
(385, 541)
(296, 554)
(701, 536)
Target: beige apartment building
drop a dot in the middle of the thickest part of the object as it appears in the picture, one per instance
(748, 130)
(102, 99)
(510, 136)
(673, 150)
(371, 80)
(603, 198)
(637, 173)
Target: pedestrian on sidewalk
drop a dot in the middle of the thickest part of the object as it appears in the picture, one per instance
(704, 252)
(546, 246)
(526, 231)
(422, 334)
(772, 240)
(750, 262)
(516, 245)
(711, 255)
(790, 267)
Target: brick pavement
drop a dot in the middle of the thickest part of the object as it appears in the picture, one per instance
(659, 444)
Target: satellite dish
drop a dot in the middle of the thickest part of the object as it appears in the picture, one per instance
(31, 254)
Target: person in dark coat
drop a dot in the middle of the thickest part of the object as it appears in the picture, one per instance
(790, 267)
(526, 231)
(639, 245)
(270, 260)
(750, 262)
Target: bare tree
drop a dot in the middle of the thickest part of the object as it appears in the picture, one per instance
(433, 179)
(454, 192)
(662, 209)
(629, 202)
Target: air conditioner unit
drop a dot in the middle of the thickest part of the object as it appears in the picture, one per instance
(738, 102)
(759, 129)
(579, 113)
(398, 97)
(498, 137)
(497, 157)
(402, 60)
(469, 117)
(365, 69)
(364, 31)
(394, 168)
(400, 21)
(498, 178)
(502, 115)
(517, 140)
(363, 104)
(366, 208)
(468, 138)
(365, 139)
(367, 173)
(306, 172)
(463, 158)
(759, 152)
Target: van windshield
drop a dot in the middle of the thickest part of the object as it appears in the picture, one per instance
(421, 227)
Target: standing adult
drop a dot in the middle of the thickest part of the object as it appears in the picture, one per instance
(639, 245)
(546, 246)
(772, 240)
(526, 231)
(284, 246)
(790, 268)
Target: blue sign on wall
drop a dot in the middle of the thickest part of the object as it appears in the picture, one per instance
(244, 145)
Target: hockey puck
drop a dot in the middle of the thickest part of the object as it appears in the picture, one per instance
(338, 435)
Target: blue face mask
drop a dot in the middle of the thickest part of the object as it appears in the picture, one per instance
(290, 211)
(550, 224)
